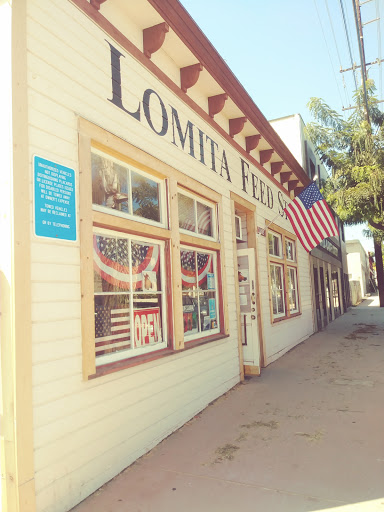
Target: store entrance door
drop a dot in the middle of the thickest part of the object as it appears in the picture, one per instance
(248, 310)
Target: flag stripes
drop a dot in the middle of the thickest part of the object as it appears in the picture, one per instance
(311, 218)
(112, 329)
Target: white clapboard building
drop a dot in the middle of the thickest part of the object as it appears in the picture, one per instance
(146, 261)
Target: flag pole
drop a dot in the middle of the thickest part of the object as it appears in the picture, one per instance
(274, 218)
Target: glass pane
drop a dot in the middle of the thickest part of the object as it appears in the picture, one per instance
(279, 280)
(186, 213)
(276, 246)
(147, 319)
(109, 183)
(208, 315)
(273, 276)
(190, 313)
(204, 219)
(188, 269)
(146, 267)
(238, 227)
(270, 243)
(112, 324)
(280, 302)
(205, 271)
(111, 264)
(145, 197)
(274, 303)
(290, 250)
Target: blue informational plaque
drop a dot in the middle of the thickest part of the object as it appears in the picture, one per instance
(55, 202)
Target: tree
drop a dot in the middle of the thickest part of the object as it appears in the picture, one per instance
(353, 150)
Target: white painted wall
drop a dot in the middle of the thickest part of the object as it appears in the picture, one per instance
(86, 432)
(290, 131)
(5, 139)
(6, 394)
(358, 264)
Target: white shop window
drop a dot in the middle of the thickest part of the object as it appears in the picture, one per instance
(121, 189)
(290, 250)
(200, 293)
(129, 296)
(283, 275)
(197, 216)
(238, 228)
(277, 290)
(292, 290)
(274, 245)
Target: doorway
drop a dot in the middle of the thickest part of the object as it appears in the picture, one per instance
(247, 299)
(250, 339)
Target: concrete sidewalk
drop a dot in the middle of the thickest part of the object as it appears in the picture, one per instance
(307, 435)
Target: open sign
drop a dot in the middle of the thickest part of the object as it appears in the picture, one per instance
(147, 326)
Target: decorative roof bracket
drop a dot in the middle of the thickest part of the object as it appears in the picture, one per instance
(276, 167)
(284, 176)
(153, 38)
(292, 184)
(216, 103)
(266, 155)
(96, 4)
(251, 142)
(190, 75)
(236, 125)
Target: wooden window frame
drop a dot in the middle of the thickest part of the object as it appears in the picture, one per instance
(286, 264)
(205, 202)
(92, 136)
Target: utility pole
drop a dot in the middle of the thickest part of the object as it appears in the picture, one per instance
(360, 39)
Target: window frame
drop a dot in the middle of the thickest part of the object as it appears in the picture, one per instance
(281, 268)
(278, 236)
(131, 216)
(286, 264)
(113, 357)
(202, 334)
(94, 137)
(294, 269)
(238, 223)
(204, 202)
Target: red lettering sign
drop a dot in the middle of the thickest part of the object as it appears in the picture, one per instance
(147, 326)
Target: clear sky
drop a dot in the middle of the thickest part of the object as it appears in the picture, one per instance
(284, 53)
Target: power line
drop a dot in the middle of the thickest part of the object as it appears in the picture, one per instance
(348, 42)
(329, 55)
(337, 49)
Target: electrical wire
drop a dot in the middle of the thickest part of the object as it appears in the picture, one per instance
(329, 55)
(337, 51)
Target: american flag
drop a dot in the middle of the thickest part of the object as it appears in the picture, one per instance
(311, 217)
(188, 267)
(111, 260)
(112, 329)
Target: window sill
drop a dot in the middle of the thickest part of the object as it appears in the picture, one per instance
(145, 358)
(294, 315)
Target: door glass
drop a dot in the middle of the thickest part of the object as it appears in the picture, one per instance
(244, 284)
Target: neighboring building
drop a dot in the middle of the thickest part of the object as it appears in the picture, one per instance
(330, 287)
(146, 260)
(359, 270)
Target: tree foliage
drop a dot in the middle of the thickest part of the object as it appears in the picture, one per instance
(353, 150)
